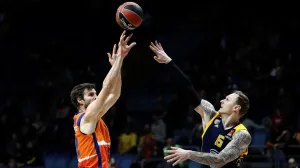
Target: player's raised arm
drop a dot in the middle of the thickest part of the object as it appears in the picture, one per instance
(114, 96)
(110, 91)
(203, 107)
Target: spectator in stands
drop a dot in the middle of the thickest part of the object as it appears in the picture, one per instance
(159, 130)
(294, 148)
(32, 157)
(147, 144)
(278, 120)
(127, 142)
(12, 163)
(250, 124)
(277, 148)
(292, 163)
(146, 148)
(14, 145)
(296, 136)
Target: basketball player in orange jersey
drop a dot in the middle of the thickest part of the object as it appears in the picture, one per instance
(224, 140)
(92, 138)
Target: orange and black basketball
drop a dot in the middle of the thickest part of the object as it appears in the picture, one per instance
(129, 15)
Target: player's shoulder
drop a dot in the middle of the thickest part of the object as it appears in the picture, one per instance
(240, 126)
(206, 105)
(242, 132)
(243, 138)
(78, 115)
(207, 109)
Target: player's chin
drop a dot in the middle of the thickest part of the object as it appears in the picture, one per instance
(222, 111)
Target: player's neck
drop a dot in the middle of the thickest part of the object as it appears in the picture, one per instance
(81, 109)
(229, 120)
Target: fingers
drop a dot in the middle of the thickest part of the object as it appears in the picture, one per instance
(179, 160)
(160, 46)
(122, 39)
(123, 42)
(156, 43)
(131, 45)
(170, 151)
(114, 49)
(154, 46)
(174, 158)
(168, 157)
(109, 56)
(153, 49)
(128, 38)
(123, 35)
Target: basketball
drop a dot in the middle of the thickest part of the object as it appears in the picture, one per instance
(129, 15)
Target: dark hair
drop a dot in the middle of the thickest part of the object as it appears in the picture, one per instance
(243, 101)
(77, 92)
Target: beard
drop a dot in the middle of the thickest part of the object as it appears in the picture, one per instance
(87, 104)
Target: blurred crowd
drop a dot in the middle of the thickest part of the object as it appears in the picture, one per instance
(150, 116)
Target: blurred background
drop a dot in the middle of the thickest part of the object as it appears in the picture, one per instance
(48, 47)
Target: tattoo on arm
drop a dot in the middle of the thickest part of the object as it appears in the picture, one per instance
(231, 152)
(208, 108)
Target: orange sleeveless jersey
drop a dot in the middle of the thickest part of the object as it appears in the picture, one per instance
(93, 151)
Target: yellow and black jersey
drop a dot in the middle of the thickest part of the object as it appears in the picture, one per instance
(215, 138)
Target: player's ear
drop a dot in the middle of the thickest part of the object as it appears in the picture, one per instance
(80, 101)
(236, 108)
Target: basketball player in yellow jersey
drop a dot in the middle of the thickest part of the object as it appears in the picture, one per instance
(225, 140)
(92, 140)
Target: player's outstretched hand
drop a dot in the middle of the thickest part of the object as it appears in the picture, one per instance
(123, 47)
(176, 155)
(161, 56)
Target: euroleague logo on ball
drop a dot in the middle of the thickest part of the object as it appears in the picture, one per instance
(127, 26)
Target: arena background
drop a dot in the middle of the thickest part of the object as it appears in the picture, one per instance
(47, 47)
